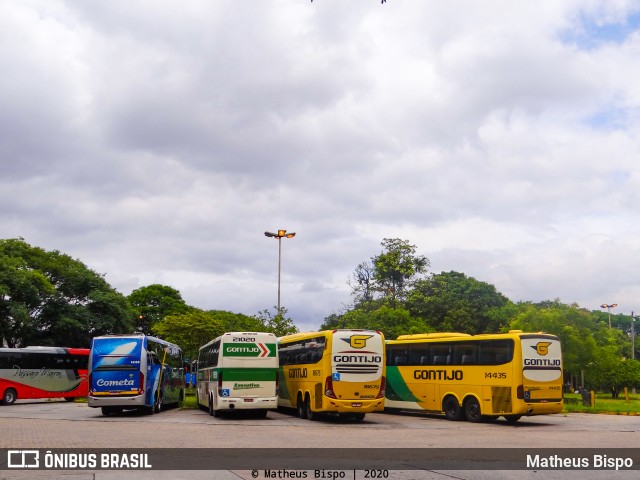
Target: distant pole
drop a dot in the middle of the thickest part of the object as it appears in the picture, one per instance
(609, 307)
(633, 343)
(279, 236)
(633, 337)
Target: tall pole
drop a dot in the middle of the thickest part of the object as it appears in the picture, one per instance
(609, 307)
(279, 268)
(633, 337)
(633, 343)
(279, 236)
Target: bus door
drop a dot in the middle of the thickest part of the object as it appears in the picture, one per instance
(115, 367)
(421, 381)
(153, 376)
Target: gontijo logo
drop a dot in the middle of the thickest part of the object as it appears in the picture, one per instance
(541, 348)
(357, 341)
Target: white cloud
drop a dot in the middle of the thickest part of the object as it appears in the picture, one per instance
(157, 142)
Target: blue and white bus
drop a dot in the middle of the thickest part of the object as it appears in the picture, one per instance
(134, 372)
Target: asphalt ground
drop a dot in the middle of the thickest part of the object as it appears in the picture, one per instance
(59, 425)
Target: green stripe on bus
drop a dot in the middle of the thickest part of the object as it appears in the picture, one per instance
(248, 374)
(396, 388)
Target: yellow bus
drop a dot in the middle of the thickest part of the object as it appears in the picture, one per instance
(475, 376)
(333, 371)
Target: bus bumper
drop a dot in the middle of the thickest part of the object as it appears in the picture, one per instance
(542, 408)
(239, 403)
(353, 406)
(124, 402)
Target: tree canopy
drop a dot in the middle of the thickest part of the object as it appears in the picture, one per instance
(153, 303)
(48, 298)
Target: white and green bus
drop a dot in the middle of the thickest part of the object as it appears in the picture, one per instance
(238, 371)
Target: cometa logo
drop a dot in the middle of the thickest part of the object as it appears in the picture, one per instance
(358, 341)
(542, 348)
(114, 383)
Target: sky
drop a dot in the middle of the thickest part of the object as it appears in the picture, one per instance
(157, 141)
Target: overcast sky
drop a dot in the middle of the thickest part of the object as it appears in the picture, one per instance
(156, 141)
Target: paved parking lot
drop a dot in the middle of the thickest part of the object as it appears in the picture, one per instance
(41, 424)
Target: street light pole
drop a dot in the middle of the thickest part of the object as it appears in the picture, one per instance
(280, 235)
(633, 337)
(609, 307)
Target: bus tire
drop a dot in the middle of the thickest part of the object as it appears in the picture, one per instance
(157, 403)
(70, 399)
(9, 397)
(106, 411)
(512, 418)
(358, 417)
(472, 410)
(213, 411)
(310, 414)
(451, 409)
(302, 411)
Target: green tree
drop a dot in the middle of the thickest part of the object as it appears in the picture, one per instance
(591, 351)
(362, 286)
(278, 324)
(395, 269)
(392, 322)
(48, 298)
(154, 302)
(189, 330)
(451, 301)
(609, 371)
(237, 322)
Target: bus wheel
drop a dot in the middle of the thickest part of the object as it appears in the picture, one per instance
(512, 418)
(302, 411)
(472, 410)
(310, 414)
(358, 417)
(10, 396)
(70, 399)
(213, 411)
(106, 411)
(451, 408)
(157, 404)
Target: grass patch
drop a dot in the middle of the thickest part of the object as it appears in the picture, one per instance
(603, 404)
(189, 398)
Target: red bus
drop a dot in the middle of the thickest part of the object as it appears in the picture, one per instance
(43, 372)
